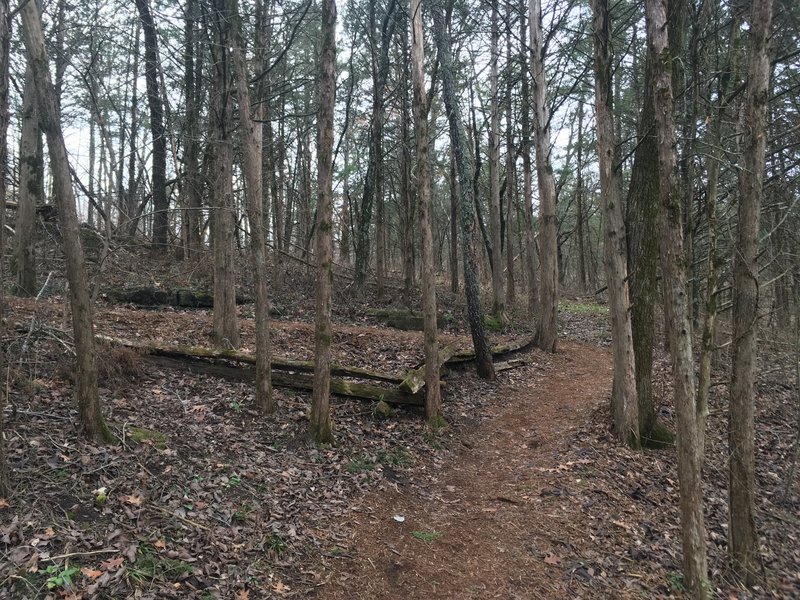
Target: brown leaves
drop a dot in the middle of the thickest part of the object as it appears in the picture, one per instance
(552, 559)
(113, 564)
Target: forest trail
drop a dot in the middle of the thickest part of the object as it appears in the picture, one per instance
(501, 531)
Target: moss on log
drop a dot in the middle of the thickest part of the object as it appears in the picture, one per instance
(152, 296)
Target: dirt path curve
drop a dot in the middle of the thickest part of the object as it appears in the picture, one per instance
(501, 528)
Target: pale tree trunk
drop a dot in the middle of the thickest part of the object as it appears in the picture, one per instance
(89, 411)
(527, 184)
(225, 321)
(498, 294)
(480, 341)
(433, 396)
(547, 330)
(321, 427)
(31, 191)
(5, 49)
(454, 195)
(624, 407)
(160, 200)
(741, 432)
(250, 136)
(689, 446)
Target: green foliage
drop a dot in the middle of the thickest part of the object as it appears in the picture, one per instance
(142, 434)
(675, 580)
(493, 323)
(426, 536)
(60, 578)
(277, 544)
(361, 464)
(398, 458)
(583, 307)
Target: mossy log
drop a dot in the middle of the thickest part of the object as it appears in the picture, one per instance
(301, 381)
(415, 380)
(278, 363)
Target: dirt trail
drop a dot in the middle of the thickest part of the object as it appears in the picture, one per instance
(501, 530)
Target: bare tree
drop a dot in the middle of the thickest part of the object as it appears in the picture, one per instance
(251, 166)
(5, 49)
(433, 398)
(460, 149)
(741, 432)
(547, 330)
(624, 407)
(321, 426)
(690, 448)
(89, 411)
(31, 190)
(498, 294)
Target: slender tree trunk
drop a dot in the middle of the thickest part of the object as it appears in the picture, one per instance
(31, 191)
(741, 431)
(433, 397)
(406, 197)
(480, 341)
(5, 50)
(321, 426)
(159, 158)
(511, 178)
(130, 193)
(89, 411)
(581, 213)
(251, 166)
(623, 401)
(225, 322)
(527, 184)
(192, 184)
(454, 195)
(547, 330)
(690, 449)
(498, 294)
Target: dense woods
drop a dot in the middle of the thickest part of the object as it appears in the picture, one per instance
(398, 159)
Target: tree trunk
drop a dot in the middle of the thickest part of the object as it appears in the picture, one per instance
(741, 432)
(527, 184)
(89, 410)
(511, 178)
(159, 157)
(250, 136)
(321, 426)
(579, 209)
(547, 329)
(226, 326)
(192, 184)
(5, 50)
(690, 450)
(623, 400)
(483, 355)
(454, 195)
(498, 293)
(433, 397)
(31, 191)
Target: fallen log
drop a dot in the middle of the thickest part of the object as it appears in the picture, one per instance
(278, 363)
(415, 380)
(300, 381)
(522, 343)
(152, 296)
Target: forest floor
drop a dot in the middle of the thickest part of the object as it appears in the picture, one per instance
(525, 493)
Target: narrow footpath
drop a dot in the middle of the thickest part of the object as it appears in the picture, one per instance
(490, 528)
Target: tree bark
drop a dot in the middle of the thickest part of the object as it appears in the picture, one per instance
(225, 321)
(690, 450)
(498, 292)
(88, 401)
(433, 396)
(159, 158)
(547, 329)
(192, 184)
(741, 432)
(624, 405)
(250, 136)
(31, 191)
(483, 355)
(321, 426)
(5, 50)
